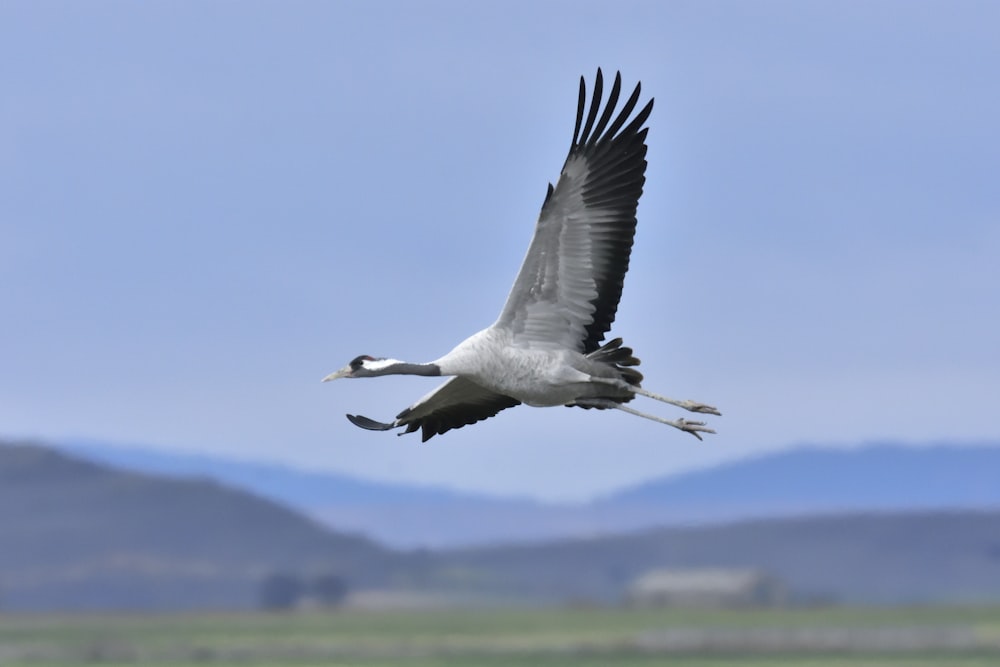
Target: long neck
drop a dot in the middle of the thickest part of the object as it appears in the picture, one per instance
(396, 367)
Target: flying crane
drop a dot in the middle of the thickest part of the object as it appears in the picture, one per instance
(545, 348)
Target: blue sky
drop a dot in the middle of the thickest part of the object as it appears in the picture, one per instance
(207, 207)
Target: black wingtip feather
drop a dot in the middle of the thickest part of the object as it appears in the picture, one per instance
(639, 120)
(581, 103)
(626, 111)
(548, 193)
(609, 107)
(369, 424)
(595, 106)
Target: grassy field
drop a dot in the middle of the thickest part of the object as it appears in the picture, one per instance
(925, 637)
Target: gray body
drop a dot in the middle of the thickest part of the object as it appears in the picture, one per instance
(537, 377)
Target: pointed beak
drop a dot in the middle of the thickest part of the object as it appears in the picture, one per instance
(343, 372)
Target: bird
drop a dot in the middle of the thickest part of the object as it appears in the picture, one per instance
(545, 349)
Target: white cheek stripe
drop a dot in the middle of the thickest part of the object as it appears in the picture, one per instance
(380, 364)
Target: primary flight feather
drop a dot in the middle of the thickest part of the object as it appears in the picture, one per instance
(545, 348)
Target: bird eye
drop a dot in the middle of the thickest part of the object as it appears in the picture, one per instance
(357, 362)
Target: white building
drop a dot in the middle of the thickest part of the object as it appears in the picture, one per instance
(670, 587)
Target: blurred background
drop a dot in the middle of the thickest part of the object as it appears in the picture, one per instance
(207, 207)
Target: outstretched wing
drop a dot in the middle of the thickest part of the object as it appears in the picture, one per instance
(454, 404)
(567, 292)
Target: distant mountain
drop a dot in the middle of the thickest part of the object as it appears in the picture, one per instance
(399, 515)
(74, 534)
(292, 486)
(806, 481)
(789, 483)
(81, 535)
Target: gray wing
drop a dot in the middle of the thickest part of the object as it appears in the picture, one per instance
(456, 403)
(567, 292)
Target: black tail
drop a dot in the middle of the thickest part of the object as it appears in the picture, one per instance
(612, 352)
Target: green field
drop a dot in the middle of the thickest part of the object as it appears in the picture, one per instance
(939, 637)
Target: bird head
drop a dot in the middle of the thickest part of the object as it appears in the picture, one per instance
(363, 366)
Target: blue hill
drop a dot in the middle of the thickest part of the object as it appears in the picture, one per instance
(809, 479)
(292, 486)
(794, 482)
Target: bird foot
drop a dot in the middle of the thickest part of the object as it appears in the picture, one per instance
(694, 406)
(692, 427)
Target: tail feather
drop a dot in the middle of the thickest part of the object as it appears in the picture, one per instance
(622, 357)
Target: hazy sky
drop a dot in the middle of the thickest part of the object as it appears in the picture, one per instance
(206, 207)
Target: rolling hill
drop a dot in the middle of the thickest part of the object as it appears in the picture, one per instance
(804, 481)
(76, 534)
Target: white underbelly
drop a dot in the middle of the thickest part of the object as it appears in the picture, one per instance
(536, 378)
(540, 378)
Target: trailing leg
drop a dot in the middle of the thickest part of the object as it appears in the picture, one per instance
(690, 406)
(692, 427)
